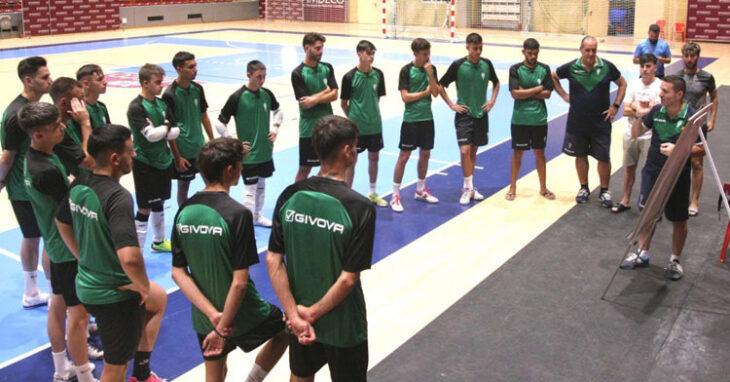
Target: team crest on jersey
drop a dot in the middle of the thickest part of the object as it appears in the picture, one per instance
(483, 74)
(324, 81)
(264, 106)
(195, 101)
(375, 87)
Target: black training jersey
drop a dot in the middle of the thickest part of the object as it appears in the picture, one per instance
(155, 154)
(69, 150)
(101, 212)
(364, 91)
(187, 105)
(13, 138)
(414, 79)
(589, 91)
(306, 81)
(471, 83)
(252, 111)
(663, 130)
(213, 237)
(324, 228)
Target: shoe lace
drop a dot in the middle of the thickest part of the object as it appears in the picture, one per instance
(396, 199)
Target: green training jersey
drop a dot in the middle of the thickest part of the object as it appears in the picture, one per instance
(13, 138)
(530, 111)
(324, 228)
(472, 81)
(213, 237)
(186, 106)
(69, 150)
(155, 154)
(414, 79)
(364, 90)
(98, 114)
(101, 212)
(307, 81)
(252, 111)
(46, 185)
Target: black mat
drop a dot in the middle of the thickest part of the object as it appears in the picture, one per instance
(560, 311)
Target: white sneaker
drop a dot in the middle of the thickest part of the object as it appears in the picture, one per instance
(94, 353)
(262, 221)
(395, 204)
(69, 375)
(426, 196)
(40, 299)
(465, 196)
(475, 195)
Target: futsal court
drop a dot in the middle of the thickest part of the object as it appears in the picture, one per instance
(494, 291)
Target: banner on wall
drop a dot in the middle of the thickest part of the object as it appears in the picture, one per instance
(708, 20)
(325, 10)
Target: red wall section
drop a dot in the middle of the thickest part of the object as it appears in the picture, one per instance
(42, 17)
(708, 20)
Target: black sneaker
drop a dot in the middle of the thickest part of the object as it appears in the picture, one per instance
(582, 196)
(605, 198)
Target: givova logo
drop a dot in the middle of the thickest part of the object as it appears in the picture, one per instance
(83, 211)
(199, 229)
(293, 216)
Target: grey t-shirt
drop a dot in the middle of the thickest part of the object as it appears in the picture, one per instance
(699, 85)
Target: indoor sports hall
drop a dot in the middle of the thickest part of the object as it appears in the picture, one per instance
(497, 290)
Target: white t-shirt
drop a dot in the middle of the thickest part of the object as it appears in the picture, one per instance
(646, 96)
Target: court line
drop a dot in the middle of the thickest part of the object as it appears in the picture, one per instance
(15, 257)
(24, 355)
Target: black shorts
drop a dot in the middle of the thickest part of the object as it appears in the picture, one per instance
(677, 208)
(594, 141)
(63, 281)
(416, 134)
(186, 175)
(151, 185)
(26, 218)
(256, 337)
(470, 130)
(252, 172)
(120, 328)
(525, 137)
(371, 143)
(346, 364)
(307, 156)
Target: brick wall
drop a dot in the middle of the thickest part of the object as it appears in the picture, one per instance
(43, 17)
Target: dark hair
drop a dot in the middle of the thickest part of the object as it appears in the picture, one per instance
(474, 38)
(420, 44)
(330, 132)
(691, 48)
(530, 43)
(583, 41)
(28, 67)
(654, 28)
(216, 155)
(254, 66)
(107, 138)
(36, 115)
(312, 37)
(62, 87)
(148, 70)
(365, 46)
(180, 58)
(677, 82)
(646, 58)
(87, 70)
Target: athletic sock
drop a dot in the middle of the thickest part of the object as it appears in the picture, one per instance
(140, 223)
(604, 189)
(260, 195)
(157, 218)
(674, 258)
(257, 374)
(142, 365)
(31, 283)
(420, 185)
(249, 196)
(372, 188)
(396, 188)
(469, 182)
(83, 373)
(585, 186)
(60, 362)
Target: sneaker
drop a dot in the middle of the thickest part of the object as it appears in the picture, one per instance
(582, 196)
(94, 352)
(377, 200)
(31, 302)
(153, 378)
(69, 375)
(475, 195)
(633, 260)
(262, 221)
(465, 196)
(395, 204)
(164, 246)
(674, 271)
(605, 198)
(425, 196)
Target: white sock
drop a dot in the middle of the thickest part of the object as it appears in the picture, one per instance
(674, 258)
(83, 373)
(157, 219)
(260, 195)
(468, 182)
(31, 283)
(257, 374)
(249, 196)
(396, 188)
(60, 362)
(420, 185)
(141, 232)
(644, 253)
(372, 188)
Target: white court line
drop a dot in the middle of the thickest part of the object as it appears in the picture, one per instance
(15, 257)
(24, 355)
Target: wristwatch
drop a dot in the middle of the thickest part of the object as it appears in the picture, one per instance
(616, 105)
